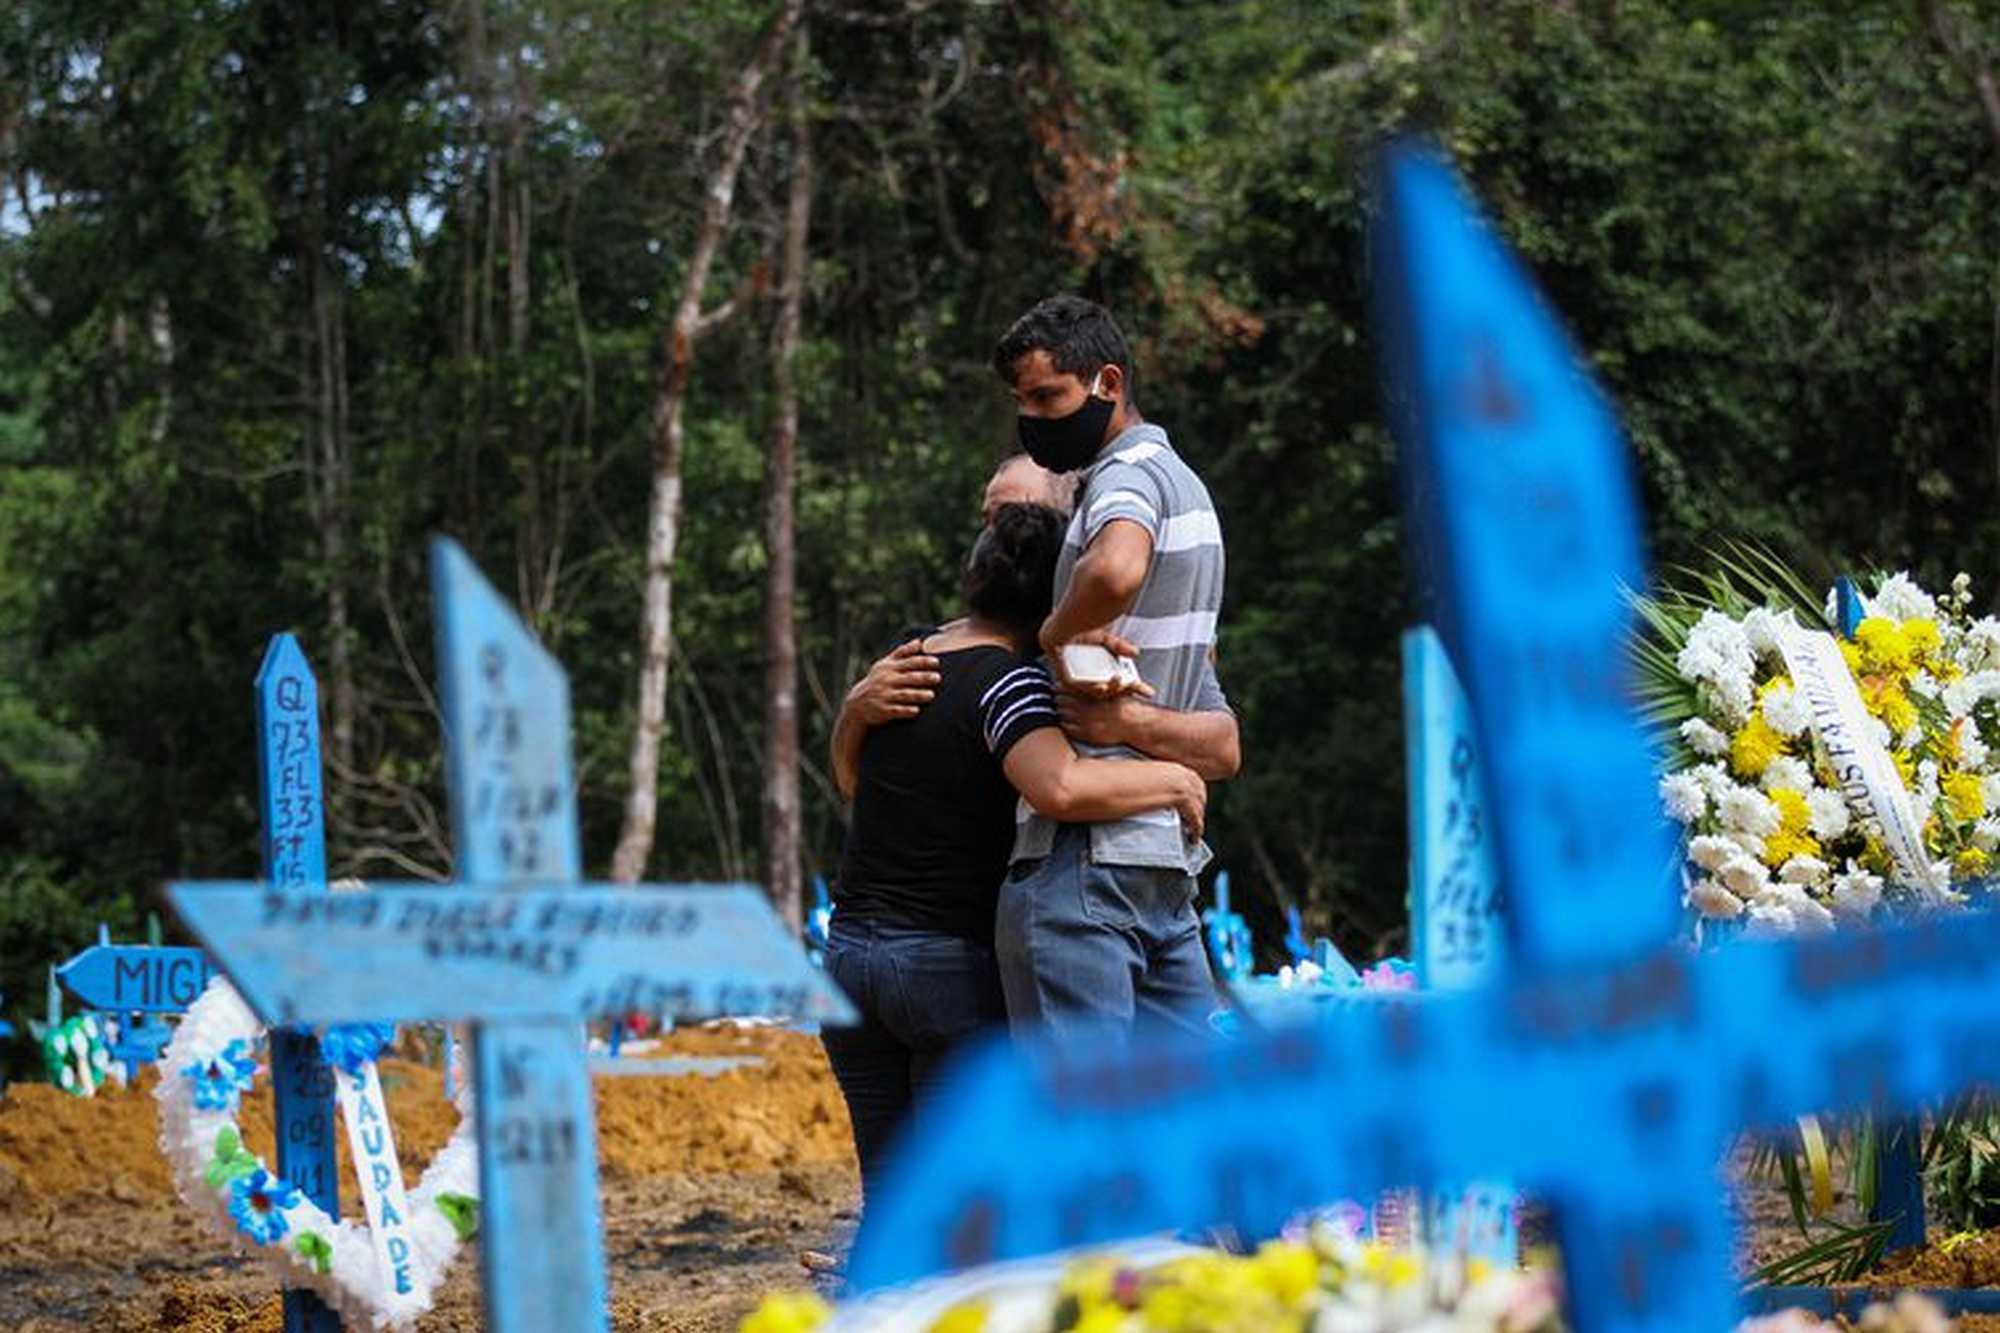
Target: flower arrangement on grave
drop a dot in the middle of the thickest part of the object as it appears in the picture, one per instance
(207, 1070)
(1326, 1281)
(1772, 835)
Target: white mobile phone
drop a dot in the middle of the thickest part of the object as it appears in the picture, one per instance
(1094, 664)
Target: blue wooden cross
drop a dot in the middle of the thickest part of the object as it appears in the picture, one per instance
(293, 808)
(1609, 1068)
(517, 947)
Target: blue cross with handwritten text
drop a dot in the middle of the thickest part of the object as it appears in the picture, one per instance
(518, 948)
(1608, 1069)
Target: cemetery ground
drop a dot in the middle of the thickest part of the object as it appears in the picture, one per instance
(712, 1187)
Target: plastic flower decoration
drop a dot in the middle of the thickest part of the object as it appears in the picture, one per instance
(352, 1046)
(221, 1080)
(258, 1203)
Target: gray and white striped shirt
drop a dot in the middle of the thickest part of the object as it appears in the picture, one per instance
(1139, 477)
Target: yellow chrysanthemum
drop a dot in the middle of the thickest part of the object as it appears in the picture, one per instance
(967, 1318)
(1101, 1319)
(1922, 636)
(1884, 646)
(1906, 766)
(1888, 702)
(1850, 652)
(1289, 1272)
(1794, 815)
(1963, 797)
(1753, 748)
(1971, 863)
(786, 1312)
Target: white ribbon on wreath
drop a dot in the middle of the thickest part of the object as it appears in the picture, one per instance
(206, 1069)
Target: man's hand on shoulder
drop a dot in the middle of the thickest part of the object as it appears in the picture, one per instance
(896, 686)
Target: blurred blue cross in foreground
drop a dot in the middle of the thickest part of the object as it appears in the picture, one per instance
(1608, 1068)
(518, 948)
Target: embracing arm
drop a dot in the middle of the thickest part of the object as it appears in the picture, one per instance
(1208, 742)
(896, 686)
(1063, 786)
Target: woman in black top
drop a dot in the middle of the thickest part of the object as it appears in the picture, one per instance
(933, 824)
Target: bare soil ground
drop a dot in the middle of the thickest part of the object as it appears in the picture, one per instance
(712, 1187)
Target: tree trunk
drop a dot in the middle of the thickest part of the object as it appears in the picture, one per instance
(1961, 50)
(783, 834)
(635, 839)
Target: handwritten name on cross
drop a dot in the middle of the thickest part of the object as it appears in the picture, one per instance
(518, 948)
(294, 824)
(1456, 915)
(1608, 1069)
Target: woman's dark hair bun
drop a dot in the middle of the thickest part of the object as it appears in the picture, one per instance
(1010, 575)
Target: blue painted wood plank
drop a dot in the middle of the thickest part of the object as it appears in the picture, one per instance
(1456, 919)
(1532, 531)
(292, 803)
(1583, 1085)
(513, 804)
(421, 953)
(1851, 1300)
(136, 978)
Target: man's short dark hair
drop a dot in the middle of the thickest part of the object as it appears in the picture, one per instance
(1080, 337)
(1010, 577)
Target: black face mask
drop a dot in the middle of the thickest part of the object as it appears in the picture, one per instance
(1064, 444)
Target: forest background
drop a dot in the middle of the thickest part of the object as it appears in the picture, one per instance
(678, 315)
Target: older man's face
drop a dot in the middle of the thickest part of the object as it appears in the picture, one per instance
(1020, 481)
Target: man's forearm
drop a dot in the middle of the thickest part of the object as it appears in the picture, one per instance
(1209, 743)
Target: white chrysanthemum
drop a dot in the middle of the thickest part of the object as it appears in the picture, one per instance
(1986, 834)
(1718, 655)
(1769, 921)
(1856, 892)
(1786, 711)
(1703, 738)
(1713, 779)
(1810, 917)
(1682, 797)
(1967, 692)
(1761, 628)
(1744, 876)
(1912, 737)
(1750, 811)
(1749, 844)
(1829, 813)
(1972, 751)
(1880, 730)
(1989, 791)
(1714, 902)
(1980, 649)
(1711, 853)
(1785, 771)
(1802, 870)
(1926, 793)
(1900, 599)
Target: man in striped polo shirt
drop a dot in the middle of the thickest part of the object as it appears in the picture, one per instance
(1097, 926)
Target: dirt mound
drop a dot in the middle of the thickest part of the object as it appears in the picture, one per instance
(1956, 1261)
(783, 1112)
(188, 1307)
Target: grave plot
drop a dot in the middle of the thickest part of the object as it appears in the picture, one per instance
(1607, 1069)
(518, 948)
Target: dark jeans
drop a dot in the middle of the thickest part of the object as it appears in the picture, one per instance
(1088, 952)
(921, 995)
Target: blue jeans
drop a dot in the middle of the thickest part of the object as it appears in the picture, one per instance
(1088, 952)
(921, 995)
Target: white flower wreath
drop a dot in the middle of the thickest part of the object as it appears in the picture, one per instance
(204, 1072)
